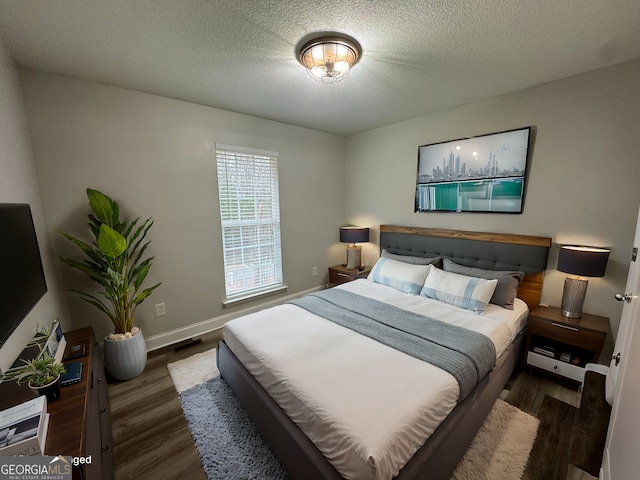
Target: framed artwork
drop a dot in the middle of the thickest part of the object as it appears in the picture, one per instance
(485, 174)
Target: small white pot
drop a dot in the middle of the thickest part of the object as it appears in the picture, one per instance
(125, 359)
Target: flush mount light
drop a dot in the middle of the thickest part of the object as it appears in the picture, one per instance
(329, 59)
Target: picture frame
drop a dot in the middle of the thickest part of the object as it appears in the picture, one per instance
(56, 343)
(482, 174)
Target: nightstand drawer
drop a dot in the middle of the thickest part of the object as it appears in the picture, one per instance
(569, 334)
(555, 366)
(338, 277)
(339, 274)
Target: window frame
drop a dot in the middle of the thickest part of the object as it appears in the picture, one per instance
(252, 222)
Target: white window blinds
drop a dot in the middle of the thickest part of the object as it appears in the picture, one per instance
(250, 214)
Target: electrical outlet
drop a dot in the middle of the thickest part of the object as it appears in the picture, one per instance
(161, 310)
(314, 271)
(367, 262)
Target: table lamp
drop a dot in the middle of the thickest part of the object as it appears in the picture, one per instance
(354, 235)
(583, 262)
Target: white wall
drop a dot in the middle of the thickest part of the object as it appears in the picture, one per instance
(18, 184)
(583, 181)
(156, 157)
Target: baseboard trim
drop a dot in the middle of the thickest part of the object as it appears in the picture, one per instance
(206, 326)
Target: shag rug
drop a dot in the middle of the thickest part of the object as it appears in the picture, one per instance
(193, 370)
(501, 447)
(231, 448)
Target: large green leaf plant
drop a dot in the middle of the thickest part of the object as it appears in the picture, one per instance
(114, 261)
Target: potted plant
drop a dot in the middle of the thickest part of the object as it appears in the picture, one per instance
(42, 374)
(115, 261)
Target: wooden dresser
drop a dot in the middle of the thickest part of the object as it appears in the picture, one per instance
(80, 420)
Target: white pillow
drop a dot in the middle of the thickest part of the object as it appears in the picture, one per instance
(467, 292)
(402, 276)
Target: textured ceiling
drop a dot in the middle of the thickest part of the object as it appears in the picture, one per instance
(419, 56)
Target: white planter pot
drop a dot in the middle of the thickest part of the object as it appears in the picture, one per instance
(125, 359)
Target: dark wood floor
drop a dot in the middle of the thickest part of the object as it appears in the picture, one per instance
(150, 433)
(573, 425)
(152, 440)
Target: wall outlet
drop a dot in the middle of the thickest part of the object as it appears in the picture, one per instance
(314, 271)
(367, 262)
(161, 311)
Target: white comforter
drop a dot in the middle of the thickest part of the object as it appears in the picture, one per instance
(366, 406)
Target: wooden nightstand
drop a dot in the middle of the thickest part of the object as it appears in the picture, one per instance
(563, 346)
(339, 274)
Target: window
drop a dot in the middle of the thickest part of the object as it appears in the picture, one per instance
(250, 215)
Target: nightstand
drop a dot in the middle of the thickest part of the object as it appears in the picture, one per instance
(339, 274)
(563, 346)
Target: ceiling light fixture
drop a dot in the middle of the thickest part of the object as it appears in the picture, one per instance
(329, 59)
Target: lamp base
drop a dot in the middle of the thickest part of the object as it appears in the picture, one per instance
(354, 256)
(573, 297)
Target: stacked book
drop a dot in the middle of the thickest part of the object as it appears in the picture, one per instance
(23, 428)
(545, 350)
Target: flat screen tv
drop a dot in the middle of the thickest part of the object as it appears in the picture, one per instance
(486, 173)
(22, 281)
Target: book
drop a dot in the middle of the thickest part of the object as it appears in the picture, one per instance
(23, 428)
(73, 373)
(31, 446)
(546, 351)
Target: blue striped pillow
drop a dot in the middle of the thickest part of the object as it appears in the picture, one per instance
(402, 276)
(470, 293)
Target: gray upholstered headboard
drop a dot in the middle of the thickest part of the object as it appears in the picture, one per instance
(491, 251)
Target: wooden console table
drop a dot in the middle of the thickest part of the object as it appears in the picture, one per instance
(80, 420)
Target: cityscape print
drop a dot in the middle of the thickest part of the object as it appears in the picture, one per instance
(478, 174)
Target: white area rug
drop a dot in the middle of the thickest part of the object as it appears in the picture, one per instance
(499, 452)
(502, 445)
(193, 370)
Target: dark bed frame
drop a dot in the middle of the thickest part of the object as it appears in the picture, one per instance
(440, 454)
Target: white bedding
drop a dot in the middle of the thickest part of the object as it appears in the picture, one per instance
(366, 406)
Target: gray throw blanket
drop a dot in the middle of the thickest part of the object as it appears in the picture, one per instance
(465, 354)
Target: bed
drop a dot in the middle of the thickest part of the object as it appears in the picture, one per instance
(356, 407)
